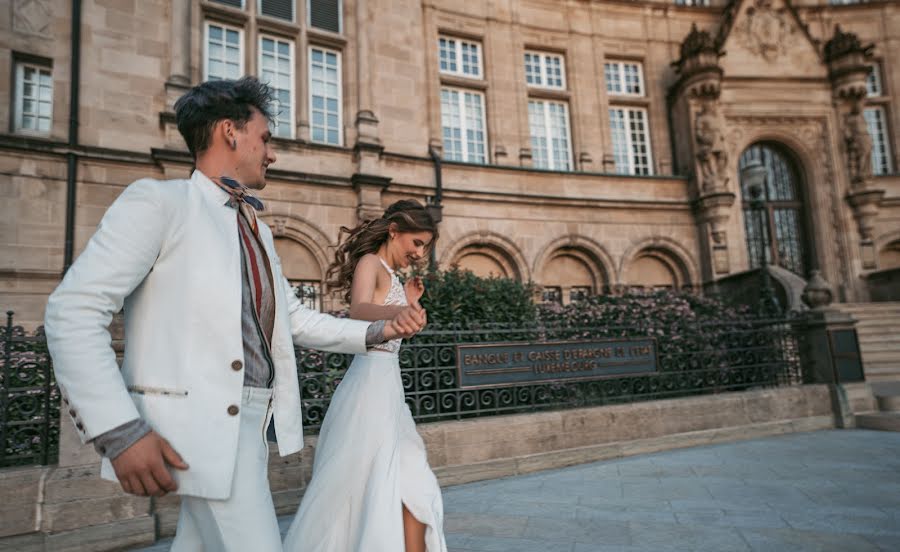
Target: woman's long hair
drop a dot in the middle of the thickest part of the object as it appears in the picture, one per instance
(408, 214)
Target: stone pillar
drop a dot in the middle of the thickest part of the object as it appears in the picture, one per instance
(179, 51)
(368, 189)
(848, 67)
(825, 357)
(695, 109)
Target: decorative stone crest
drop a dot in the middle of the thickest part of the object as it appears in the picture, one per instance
(31, 17)
(766, 31)
(817, 294)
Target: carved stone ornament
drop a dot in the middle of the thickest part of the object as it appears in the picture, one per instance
(32, 17)
(712, 152)
(766, 31)
(817, 294)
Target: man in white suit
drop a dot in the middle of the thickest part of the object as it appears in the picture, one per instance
(210, 329)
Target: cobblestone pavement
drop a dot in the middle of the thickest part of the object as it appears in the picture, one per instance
(824, 491)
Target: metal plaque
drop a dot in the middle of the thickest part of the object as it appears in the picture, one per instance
(495, 364)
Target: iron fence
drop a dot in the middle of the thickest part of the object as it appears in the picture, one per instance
(695, 358)
(700, 358)
(29, 399)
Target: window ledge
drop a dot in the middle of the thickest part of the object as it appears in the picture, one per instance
(225, 14)
(463, 82)
(268, 24)
(321, 37)
(548, 93)
(630, 101)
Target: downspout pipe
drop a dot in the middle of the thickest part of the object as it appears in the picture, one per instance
(435, 207)
(71, 156)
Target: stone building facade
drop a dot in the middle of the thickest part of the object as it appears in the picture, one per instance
(584, 145)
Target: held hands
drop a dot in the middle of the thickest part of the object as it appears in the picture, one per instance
(141, 468)
(407, 323)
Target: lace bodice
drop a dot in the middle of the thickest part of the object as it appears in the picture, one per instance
(396, 296)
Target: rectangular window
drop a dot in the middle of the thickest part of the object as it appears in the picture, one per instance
(309, 292)
(459, 57)
(276, 68)
(33, 98)
(545, 70)
(631, 140)
(549, 124)
(325, 96)
(325, 14)
(462, 125)
(552, 295)
(691, 2)
(233, 3)
(881, 147)
(624, 78)
(281, 9)
(873, 82)
(579, 293)
(224, 53)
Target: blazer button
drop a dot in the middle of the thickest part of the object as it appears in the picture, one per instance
(233, 410)
(72, 413)
(80, 426)
(237, 365)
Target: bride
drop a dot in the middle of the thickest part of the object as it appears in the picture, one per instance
(372, 489)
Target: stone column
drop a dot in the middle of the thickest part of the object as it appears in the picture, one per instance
(848, 67)
(179, 51)
(695, 108)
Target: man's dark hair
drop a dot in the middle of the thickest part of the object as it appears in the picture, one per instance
(206, 104)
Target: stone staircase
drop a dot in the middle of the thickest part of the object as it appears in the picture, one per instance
(878, 327)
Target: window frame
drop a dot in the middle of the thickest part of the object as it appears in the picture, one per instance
(876, 76)
(340, 99)
(18, 98)
(461, 105)
(547, 126)
(309, 24)
(241, 49)
(620, 70)
(543, 68)
(293, 18)
(885, 140)
(629, 144)
(457, 54)
(292, 79)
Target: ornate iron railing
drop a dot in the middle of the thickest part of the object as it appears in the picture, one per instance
(713, 357)
(29, 399)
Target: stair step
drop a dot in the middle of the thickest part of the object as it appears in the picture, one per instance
(881, 347)
(882, 356)
(884, 421)
(888, 403)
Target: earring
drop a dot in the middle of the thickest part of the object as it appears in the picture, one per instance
(234, 143)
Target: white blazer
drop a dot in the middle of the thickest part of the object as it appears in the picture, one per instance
(168, 251)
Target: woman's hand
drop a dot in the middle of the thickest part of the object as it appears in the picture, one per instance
(414, 289)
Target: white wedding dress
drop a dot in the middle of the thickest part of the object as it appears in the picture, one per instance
(369, 462)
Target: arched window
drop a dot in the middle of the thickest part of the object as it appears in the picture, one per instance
(776, 231)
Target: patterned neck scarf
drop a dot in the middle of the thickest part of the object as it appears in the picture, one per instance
(246, 202)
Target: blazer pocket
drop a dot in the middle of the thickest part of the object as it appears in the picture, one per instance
(148, 390)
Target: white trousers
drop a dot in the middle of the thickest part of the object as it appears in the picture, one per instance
(246, 520)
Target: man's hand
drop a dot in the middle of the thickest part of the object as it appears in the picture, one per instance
(407, 323)
(141, 469)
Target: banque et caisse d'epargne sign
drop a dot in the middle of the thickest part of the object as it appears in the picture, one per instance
(495, 364)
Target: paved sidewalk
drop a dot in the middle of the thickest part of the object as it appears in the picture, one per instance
(824, 491)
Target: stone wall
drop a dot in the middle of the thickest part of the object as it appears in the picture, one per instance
(68, 507)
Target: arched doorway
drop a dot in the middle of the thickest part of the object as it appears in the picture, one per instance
(777, 231)
(570, 275)
(301, 268)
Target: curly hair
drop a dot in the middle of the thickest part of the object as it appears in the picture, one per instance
(409, 215)
(201, 107)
